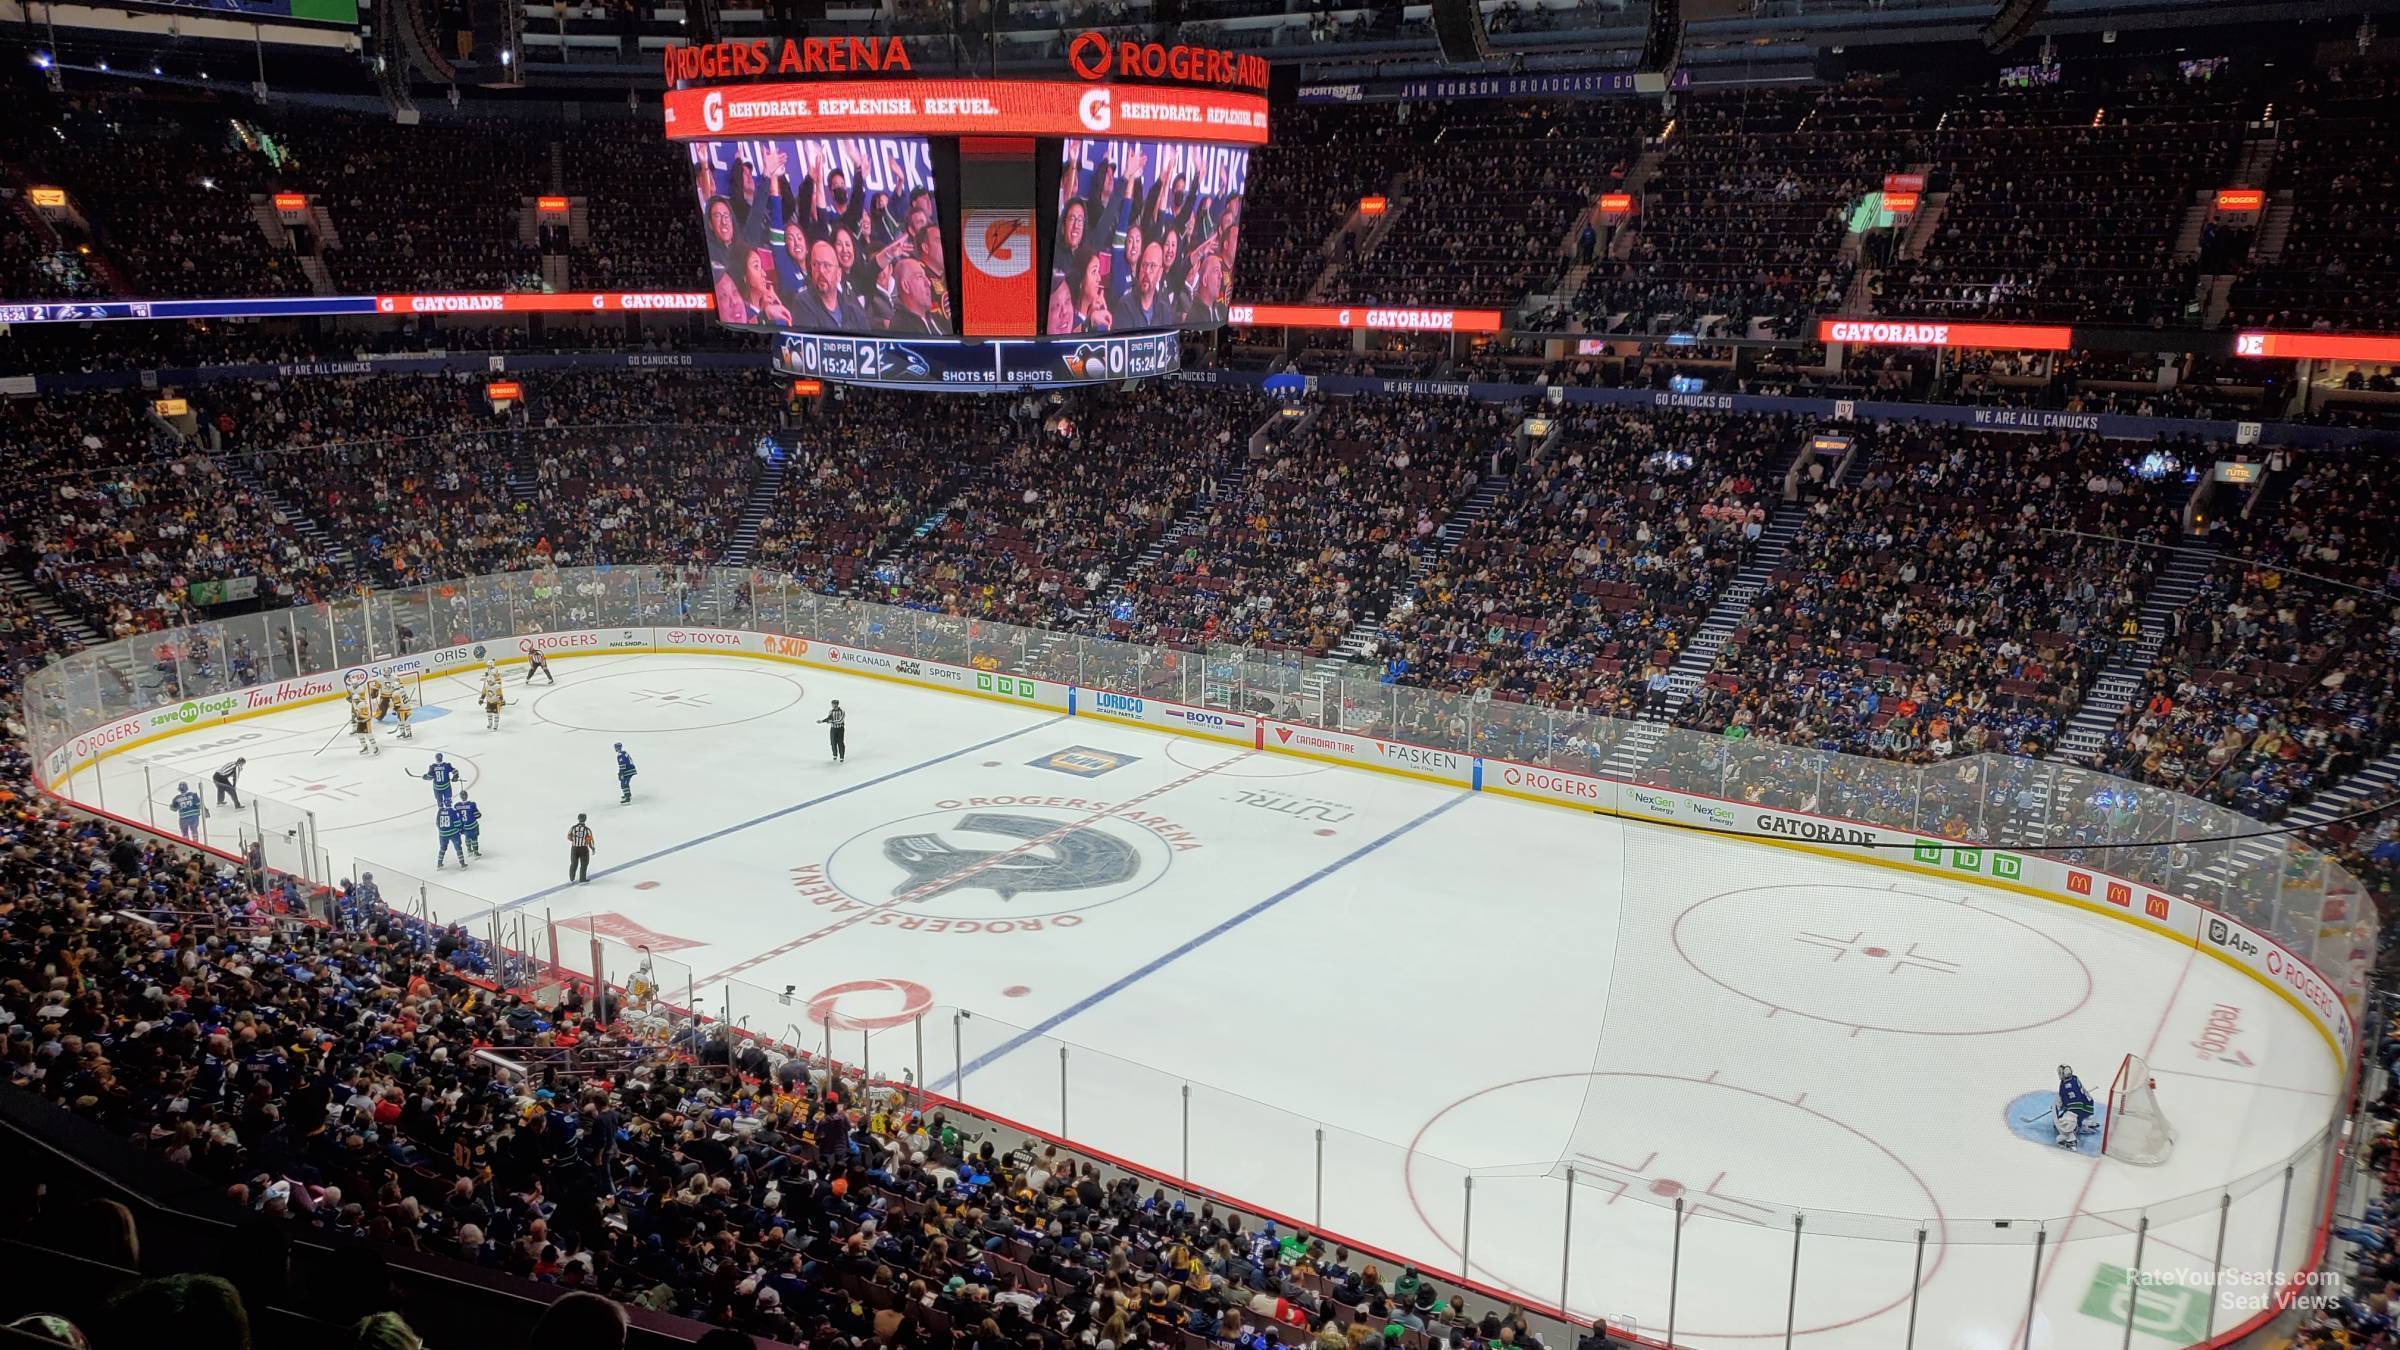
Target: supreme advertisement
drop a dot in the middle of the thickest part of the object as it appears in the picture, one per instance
(965, 108)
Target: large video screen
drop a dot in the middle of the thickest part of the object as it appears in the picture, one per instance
(1148, 233)
(824, 234)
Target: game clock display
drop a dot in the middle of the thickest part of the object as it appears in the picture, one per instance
(956, 363)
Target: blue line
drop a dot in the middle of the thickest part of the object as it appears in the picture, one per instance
(1156, 964)
(778, 814)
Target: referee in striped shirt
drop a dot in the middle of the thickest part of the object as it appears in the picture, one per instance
(839, 722)
(224, 779)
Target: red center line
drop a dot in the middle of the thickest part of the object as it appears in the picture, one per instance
(2058, 1246)
(948, 880)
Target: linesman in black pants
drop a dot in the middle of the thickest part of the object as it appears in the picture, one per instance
(226, 775)
(579, 850)
(839, 721)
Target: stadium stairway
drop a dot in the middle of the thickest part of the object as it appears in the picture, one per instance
(270, 222)
(2275, 229)
(2120, 681)
(2378, 780)
(1725, 617)
(36, 601)
(1928, 222)
(763, 494)
(1226, 486)
(524, 475)
(1692, 664)
(2195, 223)
(325, 545)
(1353, 655)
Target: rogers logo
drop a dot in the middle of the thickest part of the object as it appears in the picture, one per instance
(1551, 782)
(712, 111)
(557, 643)
(999, 243)
(1096, 110)
(1090, 55)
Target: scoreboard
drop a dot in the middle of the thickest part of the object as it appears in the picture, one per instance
(957, 363)
(960, 233)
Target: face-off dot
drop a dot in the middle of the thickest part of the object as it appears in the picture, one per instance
(1015, 991)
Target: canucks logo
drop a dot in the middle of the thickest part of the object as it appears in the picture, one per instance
(1068, 858)
(900, 361)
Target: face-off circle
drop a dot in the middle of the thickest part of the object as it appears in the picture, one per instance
(869, 1005)
(666, 698)
(1742, 1160)
(1898, 960)
(333, 785)
(1190, 752)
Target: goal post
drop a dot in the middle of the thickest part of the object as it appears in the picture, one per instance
(2135, 1130)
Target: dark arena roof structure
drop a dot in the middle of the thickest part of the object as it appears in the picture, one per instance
(1475, 636)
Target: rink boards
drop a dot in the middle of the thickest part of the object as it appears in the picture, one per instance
(2173, 917)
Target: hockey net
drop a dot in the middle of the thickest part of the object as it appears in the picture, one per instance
(2135, 1129)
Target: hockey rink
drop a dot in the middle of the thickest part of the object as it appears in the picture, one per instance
(1378, 990)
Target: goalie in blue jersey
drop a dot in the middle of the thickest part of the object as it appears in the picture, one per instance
(2074, 1116)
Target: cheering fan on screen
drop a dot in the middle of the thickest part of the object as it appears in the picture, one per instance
(823, 304)
(758, 287)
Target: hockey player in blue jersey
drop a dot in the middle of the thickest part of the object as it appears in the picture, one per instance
(442, 774)
(187, 811)
(2074, 1115)
(625, 773)
(473, 815)
(452, 822)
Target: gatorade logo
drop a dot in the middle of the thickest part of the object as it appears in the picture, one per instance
(1096, 110)
(999, 243)
(712, 111)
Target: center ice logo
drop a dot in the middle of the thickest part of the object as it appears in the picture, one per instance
(1053, 858)
(994, 865)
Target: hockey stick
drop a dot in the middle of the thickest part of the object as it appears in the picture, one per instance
(328, 745)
